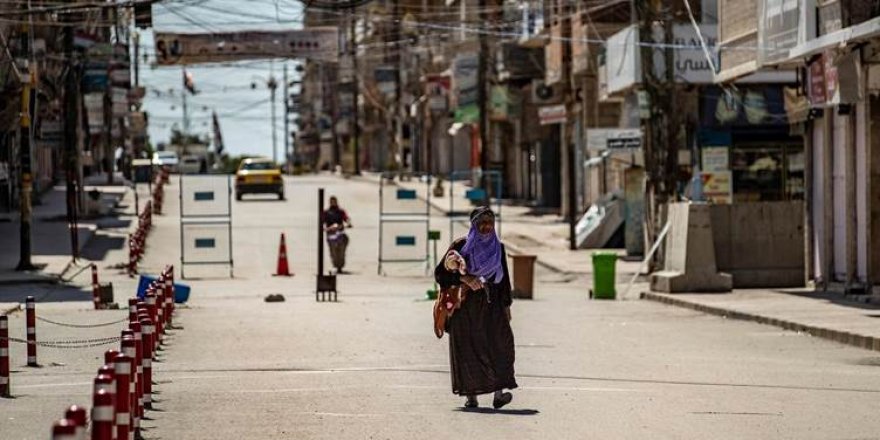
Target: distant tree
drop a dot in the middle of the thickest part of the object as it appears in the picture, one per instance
(180, 138)
(229, 164)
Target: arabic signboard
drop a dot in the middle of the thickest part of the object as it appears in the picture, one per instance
(318, 43)
(437, 90)
(716, 159)
(623, 60)
(465, 71)
(717, 187)
(499, 103)
(777, 30)
(817, 82)
(552, 114)
(386, 79)
(346, 69)
(617, 139)
(94, 103)
(835, 79)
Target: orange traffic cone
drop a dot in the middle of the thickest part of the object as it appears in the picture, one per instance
(282, 270)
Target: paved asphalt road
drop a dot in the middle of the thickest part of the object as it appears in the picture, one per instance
(369, 366)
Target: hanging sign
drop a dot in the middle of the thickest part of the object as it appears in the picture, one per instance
(552, 114)
(318, 43)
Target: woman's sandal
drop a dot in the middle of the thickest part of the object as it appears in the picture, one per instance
(504, 400)
(471, 403)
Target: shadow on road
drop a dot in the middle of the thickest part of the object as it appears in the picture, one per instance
(58, 293)
(100, 245)
(507, 412)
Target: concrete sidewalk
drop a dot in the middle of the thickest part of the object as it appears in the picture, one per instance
(525, 230)
(51, 247)
(822, 315)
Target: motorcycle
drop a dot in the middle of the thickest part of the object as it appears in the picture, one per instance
(337, 241)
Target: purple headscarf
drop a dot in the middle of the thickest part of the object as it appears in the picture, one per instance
(483, 251)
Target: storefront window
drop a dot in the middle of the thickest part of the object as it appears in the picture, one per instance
(767, 173)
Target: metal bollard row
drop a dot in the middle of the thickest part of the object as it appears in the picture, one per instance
(123, 386)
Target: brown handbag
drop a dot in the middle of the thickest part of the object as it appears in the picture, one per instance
(448, 301)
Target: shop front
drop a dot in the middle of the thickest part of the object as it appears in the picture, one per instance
(747, 152)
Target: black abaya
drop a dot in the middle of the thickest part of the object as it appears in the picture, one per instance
(481, 349)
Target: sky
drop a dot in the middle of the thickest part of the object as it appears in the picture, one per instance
(244, 112)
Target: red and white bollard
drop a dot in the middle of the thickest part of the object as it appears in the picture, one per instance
(147, 329)
(109, 371)
(77, 415)
(153, 310)
(96, 287)
(31, 306)
(129, 348)
(5, 386)
(102, 416)
(110, 357)
(169, 297)
(106, 380)
(122, 366)
(159, 306)
(132, 256)
(64, 430)
(135, 327)
(132, 309)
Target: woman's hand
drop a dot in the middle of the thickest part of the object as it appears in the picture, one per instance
(472, 282)
(507, 312)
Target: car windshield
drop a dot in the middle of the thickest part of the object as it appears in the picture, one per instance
(166, 155)
(258, 166)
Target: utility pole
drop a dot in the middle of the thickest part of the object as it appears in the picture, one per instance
(398, 86)
(286, 95)
(272, 86)
(660, 128)
(108, 102)
(26, 128)
(482, 95)
(137, 58)
(71, 158)
(356, 129)
(185, 110)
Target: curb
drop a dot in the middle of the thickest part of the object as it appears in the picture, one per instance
(839, 336)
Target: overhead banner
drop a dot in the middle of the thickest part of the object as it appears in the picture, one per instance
(320, 43)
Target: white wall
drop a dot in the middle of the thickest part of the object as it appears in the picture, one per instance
(820, 198)
(862, 191)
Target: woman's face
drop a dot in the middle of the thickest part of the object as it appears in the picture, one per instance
(486, 224)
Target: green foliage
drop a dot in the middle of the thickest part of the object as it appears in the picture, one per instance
(229, 164)
(180, 138)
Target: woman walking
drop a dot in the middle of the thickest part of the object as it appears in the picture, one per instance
(481, 352)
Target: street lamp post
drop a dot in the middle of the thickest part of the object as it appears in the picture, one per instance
(273, 85)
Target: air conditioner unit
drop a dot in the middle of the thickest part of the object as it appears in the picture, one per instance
(543, 94)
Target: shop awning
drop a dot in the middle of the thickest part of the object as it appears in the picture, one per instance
(852, 34)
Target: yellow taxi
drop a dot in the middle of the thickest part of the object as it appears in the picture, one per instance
(258, 175)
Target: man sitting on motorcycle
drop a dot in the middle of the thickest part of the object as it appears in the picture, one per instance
(335, 220)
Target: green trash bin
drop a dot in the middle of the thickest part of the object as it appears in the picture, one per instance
(604, 275)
